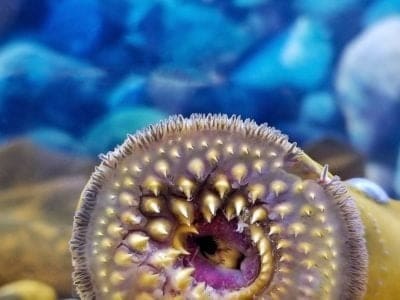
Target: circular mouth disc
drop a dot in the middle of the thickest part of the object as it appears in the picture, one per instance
(210, 207)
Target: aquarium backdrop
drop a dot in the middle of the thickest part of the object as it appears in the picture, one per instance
(77, 75)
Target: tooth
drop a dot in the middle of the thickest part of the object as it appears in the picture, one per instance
(175, 153)
(199, 291)
(283, 244)
(162, 168)
(286, 258)
(106, 243)
(306, 210)
(316, 232)
(151, 205)
(244, 149)
(127, 199)
(115, 230)
(204, 144)
(128, 217)
(212, 155)
(182, 278)
(180, 237)
(196, 167)
(159, 229)
(296, 229)
(138, 241)
(239, 202)
(128, 182)
(275, 229)
(264, 246)
(165, 258)
(116, 278)
(183, 210)
(210, 206)
(122, 258)
(256, 191)
(239, 171)
(257, 153)
(110, 212)
(308, 263)
(229, 149)
(283, 209)
(278, 187)
(148, 280)
(144, 296)
(259, 165)
(298, 187)
(118, 296)
(186, 186)
(222, 185)
(153, 185)
(256, 233)
(189, 146)
(304, 247)
(258, 214)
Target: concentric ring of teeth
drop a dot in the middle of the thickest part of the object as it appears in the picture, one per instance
(146, 207)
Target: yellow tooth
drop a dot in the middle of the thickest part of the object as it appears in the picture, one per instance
(283, 209)
(210, 206)
(123, 258)
(244, 149)
(298, 187)
(175, 153)
(222, 185)
(159, 229)
(229, 212)
(144, 296)
(148, 280)
(316, 232)
(183, 210)
(256, 233)
(308, 263)
(186, 186)
(151, 205)
(256, 191)
(162, 167)
(118, 296)
(182, 278)
(204, 144)
(116, 278)
(110, 212)
(275, 229)
(128, 182)
(304, 247)
(258, 214)
(153, 184)
(257, 153)
(306, 210)
(239, 171)
(259, 165)
(264, 246)
(130, 218)
(196, 167)
(286, 258)
(283, 244)
(138, 241)
(239, 202)
(297, 228)
(127, 199)
(199, 291)
(229, 149)
(115, 230)
(165, 258)
(189, 146)
(278, 187)
(106, 243)
(180, 236)
(212, 155)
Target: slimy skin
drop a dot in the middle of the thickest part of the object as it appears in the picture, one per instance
(215, 207)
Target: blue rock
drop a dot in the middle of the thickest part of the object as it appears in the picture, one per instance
(54, 139)
(129, 92)
(299, 57)
(74, 26)
(113, 128)
(380, 10)
(186, 34)
(368, 86)
(39, 87)
(325, 8)
(321, 109)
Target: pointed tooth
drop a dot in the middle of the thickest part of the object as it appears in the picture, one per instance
(244, 149)
(283, 209)
(130, 218)
(222, 185)
(182, 278)
(278, 187)
(229, 212)
(283, 244)
(144, 296)
(229, 149)
(127, 199)
(239, 202)
(118, 296)
(162, 167)
(275, 229)
(159, 229)
(122, 258)
(164, 258)
(116, 278)
(304, 248)
(204, 144)
(286, 258)
(175, 153)
(256, 191)
(258, 214)
(263, 246)
(189, 146)
(239, 172)
(196, 167)
(256, 233)
(153, 184)
(151, 205)
(186, 186)
(199, 291)
(138, 241)
(297, 228)
(148, 280)
(183, 210)
(180, 236)
(257, 153)
(259, 165)
(212, 155)
(106, 243)
(211, 203)
(115, 230)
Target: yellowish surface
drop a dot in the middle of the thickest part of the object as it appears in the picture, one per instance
(27, 290)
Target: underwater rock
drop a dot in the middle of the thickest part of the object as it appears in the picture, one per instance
(39, 192)
(51, 88)
(324, 9)
(299, 57)
(368, 87)
(73, 26)
(341, 157)
(186, 34)
(379, 10)
(113, 128)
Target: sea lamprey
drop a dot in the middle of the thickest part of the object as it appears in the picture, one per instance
(214, 207)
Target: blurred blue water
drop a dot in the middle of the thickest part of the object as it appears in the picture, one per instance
(77, 75)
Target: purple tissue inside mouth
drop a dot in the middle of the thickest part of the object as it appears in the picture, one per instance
(217, 275)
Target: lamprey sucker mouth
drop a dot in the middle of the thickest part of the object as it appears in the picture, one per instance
(214, 207)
